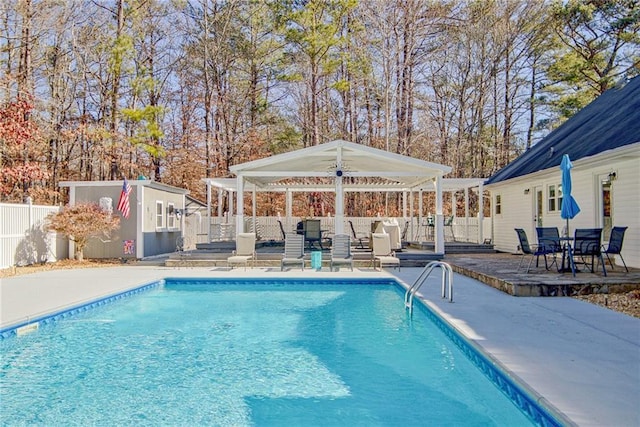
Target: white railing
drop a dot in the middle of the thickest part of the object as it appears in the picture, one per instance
(464, 229)
(23, 240)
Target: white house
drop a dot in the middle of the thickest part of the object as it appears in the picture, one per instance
(154, 223)
(603, 143)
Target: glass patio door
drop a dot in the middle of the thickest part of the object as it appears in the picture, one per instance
(538, 206)
(606, 205)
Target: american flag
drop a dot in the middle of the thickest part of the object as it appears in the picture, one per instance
(123, 203)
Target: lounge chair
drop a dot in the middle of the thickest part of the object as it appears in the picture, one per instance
(341, 251)
(245, 250)
(293, 250)
(534, 251)
(382, 253)
(615, 245)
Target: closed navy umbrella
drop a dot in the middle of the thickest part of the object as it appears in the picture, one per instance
(569, 207)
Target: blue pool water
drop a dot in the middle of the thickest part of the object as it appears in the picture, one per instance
(243, 354)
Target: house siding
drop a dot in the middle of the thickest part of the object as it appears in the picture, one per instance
(515, 213)
(109, 247)
(517, 207)
(626, 209)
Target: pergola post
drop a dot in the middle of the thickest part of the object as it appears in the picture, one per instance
(466, 212)
(439, 236)
(240, 205)
(411, 210)
(221, 200)
(480, 212)
(209, 211)
(420, 207)
(339, 213)
(253, 210)
(289, 208)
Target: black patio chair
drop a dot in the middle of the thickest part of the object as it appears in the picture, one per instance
(282, 230)
(404, 231)
(448, 224)
(587, 244)
(549, 239)
(313, 233)
(532, 250)
(615, 245)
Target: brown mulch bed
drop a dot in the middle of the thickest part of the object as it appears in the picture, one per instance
(627, 303)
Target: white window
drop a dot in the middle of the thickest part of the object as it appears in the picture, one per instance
(159, 214)
(554, 198)
(498, 204)
(171, 216)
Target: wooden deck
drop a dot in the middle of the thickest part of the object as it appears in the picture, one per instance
(269, 253)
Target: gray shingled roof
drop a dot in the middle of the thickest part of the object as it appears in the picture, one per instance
(612, 120)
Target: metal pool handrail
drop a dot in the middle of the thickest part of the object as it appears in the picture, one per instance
(447, 278)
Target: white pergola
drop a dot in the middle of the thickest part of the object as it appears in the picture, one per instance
(369, 169)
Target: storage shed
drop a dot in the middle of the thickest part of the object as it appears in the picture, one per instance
(154, 223)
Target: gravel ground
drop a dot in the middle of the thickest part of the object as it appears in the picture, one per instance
(627, 303)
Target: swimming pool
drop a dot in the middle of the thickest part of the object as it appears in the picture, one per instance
(253, 352)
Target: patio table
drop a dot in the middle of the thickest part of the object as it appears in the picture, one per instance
(567, 254)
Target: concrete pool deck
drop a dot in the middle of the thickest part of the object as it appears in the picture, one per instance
(581, 358)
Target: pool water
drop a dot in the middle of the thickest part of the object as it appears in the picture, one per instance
(197, 353)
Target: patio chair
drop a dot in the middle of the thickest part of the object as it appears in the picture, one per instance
(615, 245)
(341, 251)
(587, 244)
(405, 229)
(293, 250)
(448, 224)
(313, 233)
(245, 250)
(382, 253)
(532, 250)
(549, 243)
(281, 229)
(357, 237)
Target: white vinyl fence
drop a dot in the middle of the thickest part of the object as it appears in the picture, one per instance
(267, 228)
(23, 240)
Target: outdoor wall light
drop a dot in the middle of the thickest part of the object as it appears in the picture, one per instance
(613, 176)
(526, 191)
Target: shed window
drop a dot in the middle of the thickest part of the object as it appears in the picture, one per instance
(159, 214)
(171, 215)
(498, 204)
